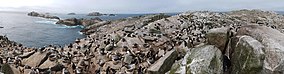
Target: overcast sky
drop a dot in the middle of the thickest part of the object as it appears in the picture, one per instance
(137, 6)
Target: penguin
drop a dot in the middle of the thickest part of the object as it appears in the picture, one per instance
(65, 71)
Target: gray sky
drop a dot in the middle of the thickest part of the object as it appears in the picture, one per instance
(137, 6)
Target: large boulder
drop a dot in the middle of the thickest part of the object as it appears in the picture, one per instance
(248, 56)
(218, 37)
(164, 64)
(204, 60)
(273, 43)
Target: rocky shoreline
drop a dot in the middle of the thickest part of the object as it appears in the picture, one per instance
(201, 42)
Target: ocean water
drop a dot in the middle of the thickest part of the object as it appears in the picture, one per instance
(36, 32)
(39, 32)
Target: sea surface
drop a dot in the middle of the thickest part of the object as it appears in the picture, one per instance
(40, 32)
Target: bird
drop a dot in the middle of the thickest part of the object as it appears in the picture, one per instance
(65, 71)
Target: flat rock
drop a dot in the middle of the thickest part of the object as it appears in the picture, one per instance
(35, 59)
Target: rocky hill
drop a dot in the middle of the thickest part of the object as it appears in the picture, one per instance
(201, 42)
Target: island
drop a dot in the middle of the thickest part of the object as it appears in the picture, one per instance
(46, 15)
(71, 14)
(99, 14)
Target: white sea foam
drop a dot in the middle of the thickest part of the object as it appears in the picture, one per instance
(46, 22)
(64, 26)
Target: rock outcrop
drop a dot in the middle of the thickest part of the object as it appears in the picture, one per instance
(75, 21)
(272, 41)
(36, 14)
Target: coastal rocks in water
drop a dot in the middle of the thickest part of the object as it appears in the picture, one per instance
(248, 56)
(71, 14)
(36, 14)
(111, 15)
(164, 64)
(75, 21)
(69, 22)
(273, 46)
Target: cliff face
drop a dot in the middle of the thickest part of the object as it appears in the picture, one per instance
(243, 41)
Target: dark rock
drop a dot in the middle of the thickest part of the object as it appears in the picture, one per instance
(111, 15)
(71, 14)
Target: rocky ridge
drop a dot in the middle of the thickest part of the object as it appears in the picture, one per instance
(243, 41)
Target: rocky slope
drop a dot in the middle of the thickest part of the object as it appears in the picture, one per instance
(202, 42)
